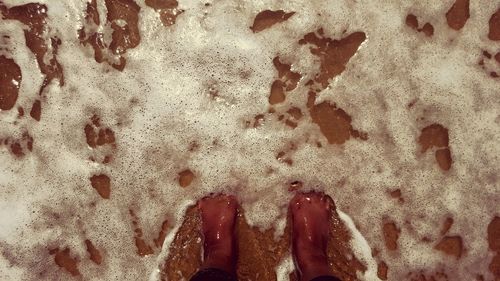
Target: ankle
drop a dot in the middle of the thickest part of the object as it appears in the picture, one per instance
(312, 265)
(220, 260)
(311, 271)
(220, 255)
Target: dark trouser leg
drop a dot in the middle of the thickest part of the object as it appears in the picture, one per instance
(213, 274)
(326, 278)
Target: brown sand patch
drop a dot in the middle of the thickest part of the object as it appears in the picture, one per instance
(391, 235)
(168, 10)
(494, 24)
(34, 15)
(10, 81)
(436, 135)
(158, 241)
(96, 135)
(64, 260)
(446, 225)
(412, 21)
(143, 248)
(268, 18)
(451, 245)
(123, 15)
(286, 82)
(95, 254)
(102, 184)
(186, 177)
(333, 54)
(382, 270)
(458, 14)
(19, 147)
(494, 234)
(334, 123)
(36, 110)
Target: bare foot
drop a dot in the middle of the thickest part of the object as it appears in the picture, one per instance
(218, 215)
(310, 229)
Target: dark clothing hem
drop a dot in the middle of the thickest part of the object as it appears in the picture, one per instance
(326, 278)
(215, 274)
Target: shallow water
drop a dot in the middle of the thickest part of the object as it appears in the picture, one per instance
(117, 115)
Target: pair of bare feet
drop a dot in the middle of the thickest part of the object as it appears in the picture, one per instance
(310, 213)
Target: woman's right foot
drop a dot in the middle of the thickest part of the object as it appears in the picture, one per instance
(311, 214)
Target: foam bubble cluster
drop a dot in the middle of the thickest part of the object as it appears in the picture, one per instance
(117, 114)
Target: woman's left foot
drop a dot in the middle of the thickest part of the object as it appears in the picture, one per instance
(218, 216)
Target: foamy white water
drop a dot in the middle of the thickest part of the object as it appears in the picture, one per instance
(183, 101)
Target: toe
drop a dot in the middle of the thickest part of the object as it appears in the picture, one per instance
(295, 200)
